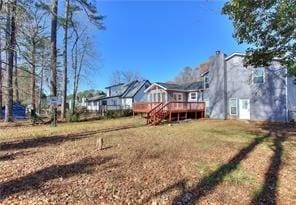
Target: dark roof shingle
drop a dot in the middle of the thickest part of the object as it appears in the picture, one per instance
(185, 86)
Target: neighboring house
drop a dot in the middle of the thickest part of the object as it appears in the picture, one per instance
(120, 96)
(232, 91)
(166, 92)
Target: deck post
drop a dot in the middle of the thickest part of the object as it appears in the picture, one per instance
(170, 117)
(185, 115)
(178, 116)
(195, 115)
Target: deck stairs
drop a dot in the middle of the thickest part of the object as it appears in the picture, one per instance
(158, 114)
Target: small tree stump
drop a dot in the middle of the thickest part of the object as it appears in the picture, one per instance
(100, 143)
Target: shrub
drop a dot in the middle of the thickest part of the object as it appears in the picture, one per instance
(117, 113)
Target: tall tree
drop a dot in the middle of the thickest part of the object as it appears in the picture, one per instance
(268, 25)
(33, 37)
(0, 73)
(10, 39)
(53, 68)
(81, 48)
(16, 88)
(65, 55)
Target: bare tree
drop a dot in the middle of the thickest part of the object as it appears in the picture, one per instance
(53, 68)
(65, 55)
(81, 47)
(125, 76)
(0, 73)
(16, 88)
(10, 40)
(32, 34)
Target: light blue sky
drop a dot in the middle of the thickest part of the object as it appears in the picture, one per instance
(159, 38)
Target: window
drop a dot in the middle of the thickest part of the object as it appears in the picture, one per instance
(178, 97)
(163, 97)
(233, 106)
(245, 104)
(258, 75)
(206, 81)
(154, 97)
(193, 96)
(175, 97)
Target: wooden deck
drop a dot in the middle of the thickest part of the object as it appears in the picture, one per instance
(158, 111)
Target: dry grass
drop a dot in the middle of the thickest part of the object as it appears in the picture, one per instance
(205, 162)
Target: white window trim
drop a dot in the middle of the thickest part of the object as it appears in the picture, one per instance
(252, 77)
(236, 106)
(195, 96)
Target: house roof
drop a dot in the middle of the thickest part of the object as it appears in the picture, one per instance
(114, 85)
(198, 85)
(235, 54)
(127, 90)
(134, 88)
(96, 97)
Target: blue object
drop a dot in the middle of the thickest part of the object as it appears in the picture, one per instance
(18, 111)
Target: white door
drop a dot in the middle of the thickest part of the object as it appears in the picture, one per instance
(244, 109)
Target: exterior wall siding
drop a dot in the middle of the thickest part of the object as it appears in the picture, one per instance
(140, 95)
(291, 98)
(267, 100)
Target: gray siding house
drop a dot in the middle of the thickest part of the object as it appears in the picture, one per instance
(239, 92)
(232, 91)
(119, 96)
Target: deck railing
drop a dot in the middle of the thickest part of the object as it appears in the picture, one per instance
(170, 106)
(144, 106)
(185, 106)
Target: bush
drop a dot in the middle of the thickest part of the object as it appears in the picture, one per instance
(73, 116)
(127, 113)
(117, 113)
(76, 114)
(110, 114)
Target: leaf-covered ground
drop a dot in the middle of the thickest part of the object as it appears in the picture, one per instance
(198, 162)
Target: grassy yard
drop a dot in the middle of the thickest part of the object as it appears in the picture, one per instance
(198, 162)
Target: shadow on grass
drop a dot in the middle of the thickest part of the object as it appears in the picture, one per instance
(54, 140)
(209, 182)
(12, 156)
(36, 179)
(267, 194)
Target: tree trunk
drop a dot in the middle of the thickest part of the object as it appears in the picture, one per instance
(65, 55)
(16, 88)
(75, 67)
(33, 78)
(11, 50)
(41, 87)
(53, 66)
(0, 75)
